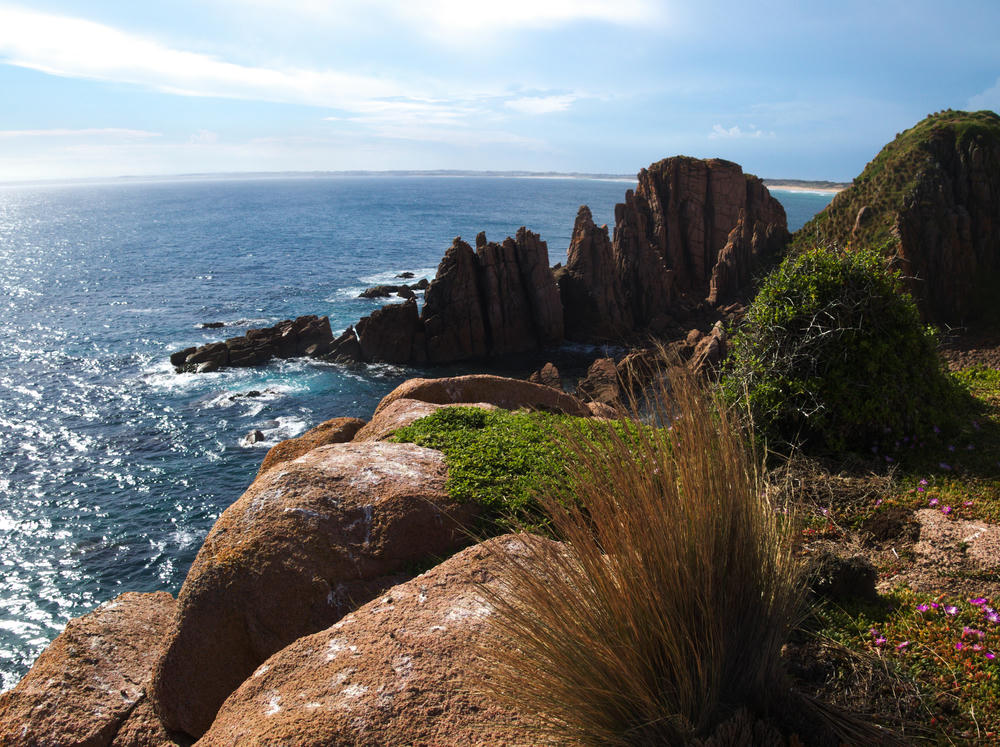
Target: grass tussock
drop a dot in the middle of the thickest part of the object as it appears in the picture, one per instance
(664, 610)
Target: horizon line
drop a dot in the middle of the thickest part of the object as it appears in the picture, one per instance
(319, 174)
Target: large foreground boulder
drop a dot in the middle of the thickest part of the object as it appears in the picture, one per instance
(509, 394)
(309, 541)
(90, 678)
(401, 670)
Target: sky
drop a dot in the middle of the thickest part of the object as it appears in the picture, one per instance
(786, 88)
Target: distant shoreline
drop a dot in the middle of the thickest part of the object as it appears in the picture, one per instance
(791, 185)
(795, 186)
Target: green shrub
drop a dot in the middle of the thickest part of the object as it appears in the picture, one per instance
(832, 355)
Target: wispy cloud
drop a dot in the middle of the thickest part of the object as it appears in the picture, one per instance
(542, 104)
(115, 132)
(78, 48)
(433, 17)
(463, 123)
(988, 99)
(74, 47)
(462, 15)
(736, 133)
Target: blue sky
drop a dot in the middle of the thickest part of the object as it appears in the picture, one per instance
(787, 89)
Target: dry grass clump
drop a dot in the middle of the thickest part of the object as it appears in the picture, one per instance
(664, 611)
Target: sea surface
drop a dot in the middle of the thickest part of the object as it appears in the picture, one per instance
(113, 467)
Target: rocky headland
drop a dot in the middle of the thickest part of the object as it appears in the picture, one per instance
(310, 617)
(685, 245)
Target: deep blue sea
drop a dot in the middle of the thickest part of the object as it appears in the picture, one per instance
(112, 467)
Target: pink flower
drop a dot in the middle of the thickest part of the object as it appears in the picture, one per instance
(933, 502)
(990, 655)
(951, 610)
(959, 646)
(967, 631)
(978, 601)
(902, 645)
(922, 608)
(967, 504)
(880, 641)
(920, 488)
(946, 510)
(923, 482)
(993, 617)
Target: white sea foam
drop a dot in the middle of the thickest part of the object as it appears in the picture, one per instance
(284, 427)
(389, 276)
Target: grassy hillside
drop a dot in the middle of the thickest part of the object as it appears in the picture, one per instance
(889, 182)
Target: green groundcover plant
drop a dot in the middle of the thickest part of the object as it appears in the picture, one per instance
(833, 356)
(502, 459)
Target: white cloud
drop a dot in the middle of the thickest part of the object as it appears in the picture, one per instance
(436, 16)
(988, 99)
(78, 48)
(541, 104)
(466, 123)
(117, 132)
(463, 15)
(204, 137)
(735, 132)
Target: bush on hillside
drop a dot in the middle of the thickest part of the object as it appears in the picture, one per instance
(832, 355)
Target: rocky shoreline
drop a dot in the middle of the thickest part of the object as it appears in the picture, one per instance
(320, 550)
(325, 539)
(685, 246)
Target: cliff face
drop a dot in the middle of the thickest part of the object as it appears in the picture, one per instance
(691, 231)
(498, 299)
(931, 198)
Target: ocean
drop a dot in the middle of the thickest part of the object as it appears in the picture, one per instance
(112, 467)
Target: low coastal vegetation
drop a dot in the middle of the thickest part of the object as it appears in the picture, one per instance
(497, 458)
(832, 355)
(663, 614)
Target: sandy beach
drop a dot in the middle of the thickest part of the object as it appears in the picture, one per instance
(800, 188)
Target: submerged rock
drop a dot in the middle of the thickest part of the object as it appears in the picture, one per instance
(305, 335)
